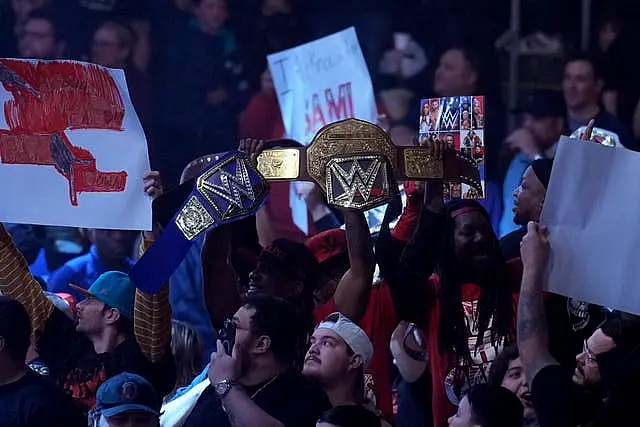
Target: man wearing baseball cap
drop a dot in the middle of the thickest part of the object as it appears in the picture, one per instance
(336, 360)
(118, 328)
(126, 400)
(330, 249)
(542, 125)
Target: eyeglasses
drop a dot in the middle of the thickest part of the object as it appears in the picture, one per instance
(590, 356)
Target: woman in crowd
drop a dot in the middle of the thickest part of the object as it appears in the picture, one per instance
(507, 371)
(187, 351)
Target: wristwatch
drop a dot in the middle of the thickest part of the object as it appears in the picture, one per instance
(222, 388)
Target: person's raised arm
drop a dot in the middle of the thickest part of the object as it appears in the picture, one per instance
(17, 282)
(422, 254)
(352, 294)
(221, 293)
(533, 334)
(221, 245)
(408, 271)
(152, 313)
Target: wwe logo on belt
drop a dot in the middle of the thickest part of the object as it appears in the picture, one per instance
(235, 190)
(351, 185)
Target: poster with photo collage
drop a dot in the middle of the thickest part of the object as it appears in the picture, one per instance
(459, 121)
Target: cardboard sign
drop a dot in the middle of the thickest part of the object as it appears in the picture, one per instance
(591, 209)
(72, 150)
(319, 83)
(322, 82)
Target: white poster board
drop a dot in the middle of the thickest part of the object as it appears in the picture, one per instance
(318, 83)
(592, 210)
(72, 150)
(322, 82)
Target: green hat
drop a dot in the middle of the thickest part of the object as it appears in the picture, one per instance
(115, 289)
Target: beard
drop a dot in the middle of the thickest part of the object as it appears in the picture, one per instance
(245, 361)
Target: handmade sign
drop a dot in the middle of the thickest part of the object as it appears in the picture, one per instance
(72, 150)
(459, 121)
(591, 211)
(322, 82)
(319, 83)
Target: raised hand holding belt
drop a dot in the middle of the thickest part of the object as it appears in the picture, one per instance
(350, 161)
(228, 189)
(357, 154)
(353, 161)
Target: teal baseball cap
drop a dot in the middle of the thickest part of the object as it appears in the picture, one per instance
(127, 392)
(113, 288)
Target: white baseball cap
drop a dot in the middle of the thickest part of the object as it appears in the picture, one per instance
(351, 333)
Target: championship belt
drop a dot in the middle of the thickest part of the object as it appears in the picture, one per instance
(353, 161)
(357, 165)
(228, 189)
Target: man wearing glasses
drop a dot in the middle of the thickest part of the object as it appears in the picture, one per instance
(603, 389)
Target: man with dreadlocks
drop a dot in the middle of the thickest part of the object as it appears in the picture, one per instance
(452, 282)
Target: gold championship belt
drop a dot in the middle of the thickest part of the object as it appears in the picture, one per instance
(357, 165)
(353, 161)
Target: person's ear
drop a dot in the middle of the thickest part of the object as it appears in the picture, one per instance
(599, 85)
(111, 316)
(356, 362)
(263, 344)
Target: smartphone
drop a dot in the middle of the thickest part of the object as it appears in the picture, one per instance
(228, 335)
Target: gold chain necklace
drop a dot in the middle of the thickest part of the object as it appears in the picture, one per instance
(264, 386)
(256, 393)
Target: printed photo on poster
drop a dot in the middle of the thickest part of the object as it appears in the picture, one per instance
(459, 122)
(450, 116)
(425, 125)
(452, 139)
(465, 113)
(435, 112)
(478, 112)
(473, 144)
(468, 192)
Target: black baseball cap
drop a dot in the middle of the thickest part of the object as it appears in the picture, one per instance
(543, 104)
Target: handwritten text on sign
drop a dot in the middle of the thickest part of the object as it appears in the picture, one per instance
(322, 82)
